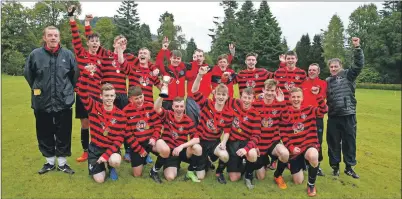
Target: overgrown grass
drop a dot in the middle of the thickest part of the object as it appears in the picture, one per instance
(378, 155)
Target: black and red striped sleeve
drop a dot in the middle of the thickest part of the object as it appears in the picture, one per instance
(255, 131)
(200, 99)
(88, 102)
(156, 124)
(322, 108)
(132, 141)
(76, 40)
(285, 130)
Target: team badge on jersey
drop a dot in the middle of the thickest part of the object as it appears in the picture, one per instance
(144, 82)
(236, 122)
(141, 126)
(298, 127)
(210, 124)
(267, 122)
(256, 76)
(297, 77)
(181, 129)
(274, 112)
(289, 85)
(175, 135)
(303, 116)
(113, 121)
(250, 83)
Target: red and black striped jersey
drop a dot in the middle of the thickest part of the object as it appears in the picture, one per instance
(107, 127)
(298, 127)
(246, 124)
(254, 79)
(143, 77)
(270, 119)
(212, 122)
(288, 79)
(84, 58)
(176, 132)
(216, 79)
(143, 123)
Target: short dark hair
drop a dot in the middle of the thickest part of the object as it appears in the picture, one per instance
(252, 54)
(224, 56)
(290, 53)
(176, 53)
(248, 91)
(93, 35)
(178, 99)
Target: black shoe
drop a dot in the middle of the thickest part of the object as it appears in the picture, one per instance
(46, 167)
(155, 176)
(351, 172)
(320, 173)
(221, 178)
(335, 170)
(66, 169)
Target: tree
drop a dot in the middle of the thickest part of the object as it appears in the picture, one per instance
(127, 24)
(267, 38)
(285, 46)
(317, 56)
(107, 30)
(245, 22)
(146, 36)
(172, 31)
(334, 40)
(303, 50)
(191, 47)
(226, 32)
(390, 7)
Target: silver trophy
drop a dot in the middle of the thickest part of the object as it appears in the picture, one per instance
(166, 80)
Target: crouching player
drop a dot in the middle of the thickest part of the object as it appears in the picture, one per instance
(107, 124)
(143, 129)
(215, 119)
(299, 134)
(177, 128)
(270, 108)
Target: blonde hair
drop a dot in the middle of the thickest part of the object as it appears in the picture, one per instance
(270, 83)
(107, 87)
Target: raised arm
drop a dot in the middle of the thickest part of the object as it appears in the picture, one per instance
(102, 52)
(158, 105)
(358, 65)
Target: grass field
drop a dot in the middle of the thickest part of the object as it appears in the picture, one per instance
(378, 155)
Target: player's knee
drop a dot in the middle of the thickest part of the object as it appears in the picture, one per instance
(99, 179)
(252, 155)
(284, 155)
(201, 174)
(137, 172)
(224, 157)
(298, 179)
(170, 176)
(164, 152)
(197, 149)
(84, 123)
(234, 177)
(260, 174)
(115, 160)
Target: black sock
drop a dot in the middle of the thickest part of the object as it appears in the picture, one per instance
(158, 164)
(194, 162)
(221, 167)
(312, 175)
(85, 139)
(126, 147)
(250, 167)
(280, 168)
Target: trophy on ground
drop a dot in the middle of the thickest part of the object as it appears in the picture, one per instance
(166, 80)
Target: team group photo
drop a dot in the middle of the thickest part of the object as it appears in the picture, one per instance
(100, 107)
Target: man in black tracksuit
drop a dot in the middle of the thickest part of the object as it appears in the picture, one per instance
(51, 73)
(341, 101)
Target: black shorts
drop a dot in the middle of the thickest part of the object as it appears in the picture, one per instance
(136, 159)
(235, 163)
(264, 159)
(298, 163)
(174, 161)
(121, 100)
(80, 111)
(208, 148)
(94, 153)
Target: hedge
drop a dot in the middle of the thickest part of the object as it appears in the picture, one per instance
(379, 86)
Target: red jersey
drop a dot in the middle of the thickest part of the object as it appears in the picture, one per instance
(308, 97)
(143, 123)
(216, 78)
(254, 79)
(107, 127)
(270, 119)
(287, 79)
(212, 122)
(298, 127)
(176, 132)
(246, 124)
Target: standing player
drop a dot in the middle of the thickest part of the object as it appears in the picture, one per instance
(251, 77)
(289, 76)
(342, 111)
(51, 73)
(312, 83)
(108, 124)
(85, 57)
(221, 73)
(177, 128)
(143, 128)
(215, 119)
(270, 108)
(299, 135)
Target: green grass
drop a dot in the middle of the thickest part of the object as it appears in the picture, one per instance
(378, 155)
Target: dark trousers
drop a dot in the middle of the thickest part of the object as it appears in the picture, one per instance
(193, 110)
(341, 135)
(320, 132)
(121, 101)
(53, 131)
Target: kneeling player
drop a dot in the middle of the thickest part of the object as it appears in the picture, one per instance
(143, 128)
(244, 137)
(107, 124)
(215, 119)
(177, 128)
(270, 109)
(299, 134)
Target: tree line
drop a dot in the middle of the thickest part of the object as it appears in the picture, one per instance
(249, 28)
